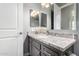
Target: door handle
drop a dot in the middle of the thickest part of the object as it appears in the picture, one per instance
(20, 33)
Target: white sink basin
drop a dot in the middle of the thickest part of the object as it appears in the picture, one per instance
(42, 36)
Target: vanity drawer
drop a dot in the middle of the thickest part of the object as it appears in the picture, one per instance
(48, 51)
(36, 44)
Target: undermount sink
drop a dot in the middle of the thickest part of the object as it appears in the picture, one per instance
(42, 36)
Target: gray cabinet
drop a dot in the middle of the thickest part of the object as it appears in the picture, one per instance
(38, 48)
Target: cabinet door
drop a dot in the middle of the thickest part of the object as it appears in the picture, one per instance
(34, 47)
(36, 44)
(35, 51)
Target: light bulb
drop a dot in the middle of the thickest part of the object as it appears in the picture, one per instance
(34, 13)
(51, 3)
(37, 12)
(43, 4)
(47, 5)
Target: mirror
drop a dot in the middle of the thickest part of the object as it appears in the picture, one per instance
(34, 18)
(43, 20)
(38, 19)
(68, 21)
(62, 17)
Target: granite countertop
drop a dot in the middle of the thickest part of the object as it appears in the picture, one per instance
(59, 43)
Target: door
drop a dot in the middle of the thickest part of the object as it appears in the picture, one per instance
(11, 29)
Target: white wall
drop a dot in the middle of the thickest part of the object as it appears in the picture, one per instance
(57, 17)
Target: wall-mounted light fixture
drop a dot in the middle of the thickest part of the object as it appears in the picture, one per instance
(46, 5)
(34, 13)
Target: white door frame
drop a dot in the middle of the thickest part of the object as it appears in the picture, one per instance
(20, 28)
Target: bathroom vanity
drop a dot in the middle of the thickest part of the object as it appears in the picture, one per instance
(48, 45)
(56, 43)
